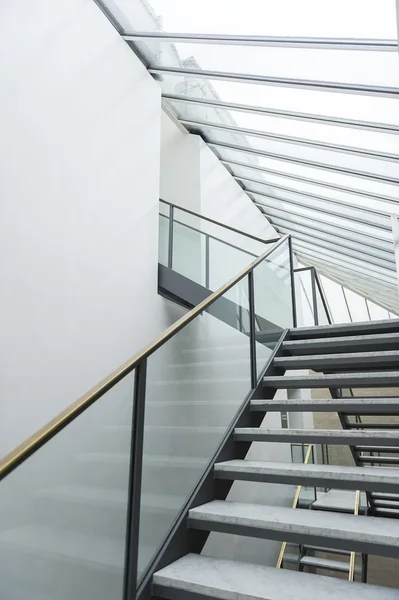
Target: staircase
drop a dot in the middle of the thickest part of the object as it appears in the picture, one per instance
(359, 356)
(116, 498)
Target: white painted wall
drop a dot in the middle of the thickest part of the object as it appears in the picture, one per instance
(79, 175)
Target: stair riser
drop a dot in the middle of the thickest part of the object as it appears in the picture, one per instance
(347, 329)
(349, 408)
(336, 439)
(348, 364)
(321, 382)
(299, 536)
(336, 347)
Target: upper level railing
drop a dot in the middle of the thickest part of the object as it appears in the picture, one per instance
(119, 457)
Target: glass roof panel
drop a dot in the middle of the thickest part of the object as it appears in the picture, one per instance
(296, 114)
(331, 18)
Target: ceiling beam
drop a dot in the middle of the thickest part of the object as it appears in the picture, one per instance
(302, 84)
(306, 163)
(195, 124)
(285, 114)
(373, 45)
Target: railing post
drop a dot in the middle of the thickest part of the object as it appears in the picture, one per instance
(252, 340)
(207, 261)
(170, 247)
(314, 296)
(293, 295)
(134, 490)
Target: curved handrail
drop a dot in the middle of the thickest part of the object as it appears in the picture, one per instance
(229, 227)
(38, 439)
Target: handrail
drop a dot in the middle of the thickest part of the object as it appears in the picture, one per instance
(294, 505)
(35, 441)
(229, 227)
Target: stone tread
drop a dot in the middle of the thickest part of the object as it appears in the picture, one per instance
(229, 580)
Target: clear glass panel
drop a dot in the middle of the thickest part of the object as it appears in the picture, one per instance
(63, 511)
(225, 261)
(255, 17)
(189, 253)
(196, 383)
(357, 306)
(163, 240)
(272, 299)
(367, 67)
(304, 298)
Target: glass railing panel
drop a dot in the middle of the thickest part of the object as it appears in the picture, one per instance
(272, 300)
(163, 240)
(322, 307)
(304, 298)
(188, 256)
(225, 261)
(196, 382)
(63, 510)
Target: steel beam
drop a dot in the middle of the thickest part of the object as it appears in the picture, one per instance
(285, 114)
(318, 209)
(324, 242)
(303, 84)
(332, 231)
(325, 184)
(380, 213)
(291, 140)
(373, 45)
(306, 163)
(304, 219)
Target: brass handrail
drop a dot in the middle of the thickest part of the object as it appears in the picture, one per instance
(294, 505)
(40, 437)
(353, 554)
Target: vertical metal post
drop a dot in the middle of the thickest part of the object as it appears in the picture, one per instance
(314, 296)
(134, 490)
(207, 261)
(252, 340)
(293, 296)
(170, 247)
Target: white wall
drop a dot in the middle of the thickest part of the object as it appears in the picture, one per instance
(79, 175)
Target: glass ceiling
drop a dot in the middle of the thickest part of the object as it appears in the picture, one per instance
(300, 101)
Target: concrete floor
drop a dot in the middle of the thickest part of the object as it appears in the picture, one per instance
(381, 570)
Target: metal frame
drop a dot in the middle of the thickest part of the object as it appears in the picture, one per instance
(330, 200)
(292, 276)
(307, 163)
(373, 45)
(322, 242)
(214, 222)
(320, 209)
(229, 163)
(304, 84)
(290, 140)
(285, 114)
(333, 230)
(289, 217)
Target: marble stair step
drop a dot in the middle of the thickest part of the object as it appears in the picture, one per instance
(317, 436)
(332, 476)
(368, 535)
(196, 576)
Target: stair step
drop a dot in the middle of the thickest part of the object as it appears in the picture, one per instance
(375, 425)
(342, 380)
(352, 406)
(384, 496)
(362, 328)
(354, 343)
(197, 576)
(344, 360)
(351, 478)
(315, 436)
(387, 512)
(348, 532)
(386, 504)
(391, 450)
(325, 563)
(383, 460)
(327, 550)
